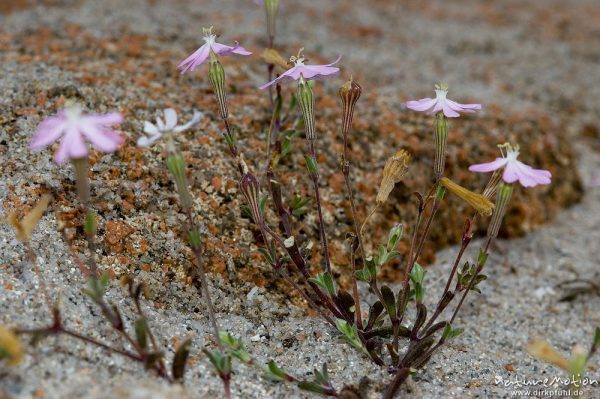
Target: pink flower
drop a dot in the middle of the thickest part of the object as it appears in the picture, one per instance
(202, 54)
(72, 126)
(440, 103)
(514, 170)
(308, 72)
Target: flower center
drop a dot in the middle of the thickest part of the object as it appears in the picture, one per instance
(73, 113)
(208, 35)
(440, 94)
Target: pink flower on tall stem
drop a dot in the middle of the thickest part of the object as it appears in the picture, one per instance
(202, 54)
(450, 108)
(513, 169)
(73, 126)
(308, 72)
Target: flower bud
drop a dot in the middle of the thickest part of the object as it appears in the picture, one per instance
(483, 205)
(395, 168)
(250, 188)
(502, 200)
(272, 56)
(441, 138)
(306, 99)
(349, 93)
(216, 76)
(271, 8)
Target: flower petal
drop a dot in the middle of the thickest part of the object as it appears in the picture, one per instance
(291, 74)
(103, 139)
(151, 129)
(170, 119)
(195, 119)
(147, 141)
(448, 111)
(197, 58)
(421, 105)
(112, 118)
(48, 131)
(489, 166)
(71, 146)
(454, 104)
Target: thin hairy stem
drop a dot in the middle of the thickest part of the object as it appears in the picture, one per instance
(203, 281)
(315, 181)
(473, 279)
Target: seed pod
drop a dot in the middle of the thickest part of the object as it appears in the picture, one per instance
(306, 99)
(441, 138)
(216, 76)
(481, 204)
(395, 168)
(502, 200)
(349, 93)
(250, 188)
(271, 8)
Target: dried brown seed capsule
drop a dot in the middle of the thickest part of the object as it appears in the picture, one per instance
(481, 204)
(395, 168)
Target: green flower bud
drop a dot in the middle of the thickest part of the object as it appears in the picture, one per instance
(271, 8)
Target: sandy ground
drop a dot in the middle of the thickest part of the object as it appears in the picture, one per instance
(534, 58)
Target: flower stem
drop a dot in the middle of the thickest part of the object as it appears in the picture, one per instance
(314, 175)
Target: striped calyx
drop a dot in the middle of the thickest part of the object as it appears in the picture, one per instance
(502, 199)
(176, 165)
(441, 138)
(250, 188)
(271, 8)
(216, 76)
(306, 99)
(349, 93)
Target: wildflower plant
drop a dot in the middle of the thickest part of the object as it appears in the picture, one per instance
(379, 335)
(395, 327)
(138, 341)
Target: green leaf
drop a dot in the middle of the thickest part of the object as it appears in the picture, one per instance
(311, 165)
(394, 236)
(274, 373)
(141, 332)
(597, 337)
(180, 359)
(311, 387)
(450, 332)
(325, 281)
(194, 239)
(90, 223)
(482, 258)
(381, 254)
(371, 266)
(263, 203)
(389, 302)
(363, 275)
(349, 334)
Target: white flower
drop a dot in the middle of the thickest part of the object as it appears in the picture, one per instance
(155, 132)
